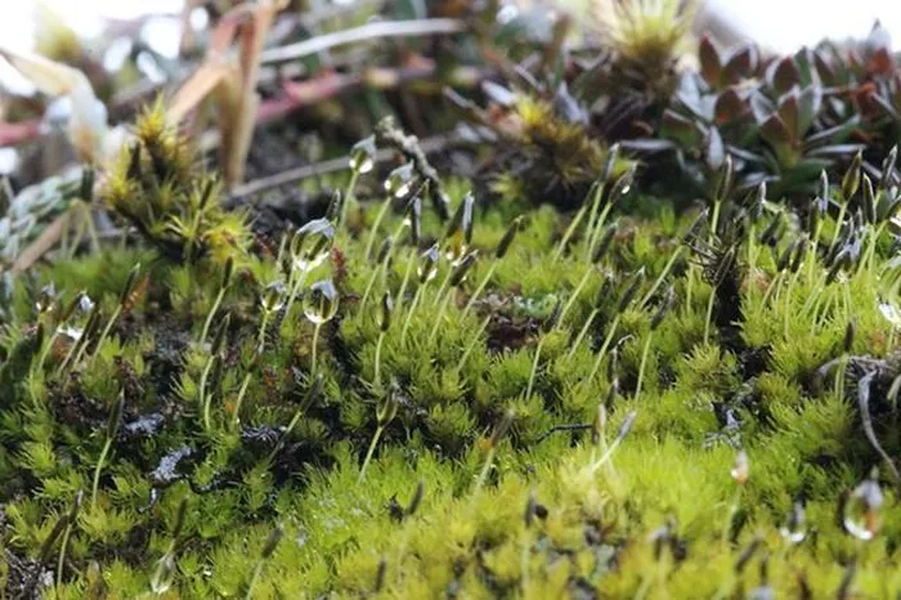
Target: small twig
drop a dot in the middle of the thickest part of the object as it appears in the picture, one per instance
(430, 145)
(863, 402)
(412, 28)
(563, 427)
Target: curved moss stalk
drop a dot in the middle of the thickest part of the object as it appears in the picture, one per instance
(377, 378)
(372, 444)
(441, 312)
(112, 428)
(348, 196)
(570, 231)
(576, 292)
(497, 436)
(315, 349)
(209, 319)
(417, 298)
(383, 210)
(481, 288)
(242, 391)
(582, 333)
(64, 544)
(268, 548)
(294, 292)
(709, 315)
(621, 434)
(406, 280)
(98, 468)
(643, 363)
(604, 347)
(659, 281)
(384, 414)
(534, 370)
(205, 399)
(472, 343)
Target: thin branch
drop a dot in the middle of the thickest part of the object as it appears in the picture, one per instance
(332, 85)
(413, 28)
(429, 145)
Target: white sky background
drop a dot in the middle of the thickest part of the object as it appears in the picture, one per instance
(779, 24)
(782, 25)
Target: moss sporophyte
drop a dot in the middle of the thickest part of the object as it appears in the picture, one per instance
(608, 368)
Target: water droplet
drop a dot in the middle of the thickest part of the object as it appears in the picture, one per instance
(85, 304)
(164, 575)
(46, 299)
(794, 530)
(73, 333)
(320, 303)
(273, 298)
(362, 155)
(428, 264)
(861, 513)
(400, 180)
(311, 244)
(741, 470)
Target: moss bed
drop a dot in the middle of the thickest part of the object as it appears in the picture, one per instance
(643, 398)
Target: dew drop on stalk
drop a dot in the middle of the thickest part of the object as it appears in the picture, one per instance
(273, 298)
(320, 303)
(46, 299)
(428, 264)
(741, 469)
(362, 155)
(85, 304)
(400, 180)
(795, 528)
(73, 333)
(860, 517)
(164, 576)
(311, 244)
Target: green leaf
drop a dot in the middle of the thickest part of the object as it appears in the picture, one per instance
(715, 152)
(809, 103)
(790, 113)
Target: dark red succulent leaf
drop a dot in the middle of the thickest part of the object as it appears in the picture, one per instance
(863, 96)
(730, 106)
(878, 47)
(681, 129)
(761, 106)
(783, 75)
(779, 137)
(789, 112)
(711, 61)
(741, 64)
(883, 104)
(824, 67)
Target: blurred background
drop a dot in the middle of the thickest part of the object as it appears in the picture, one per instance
(781, 25)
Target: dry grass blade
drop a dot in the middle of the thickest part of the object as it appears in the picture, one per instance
(232, 83)
(370, 31)
(43, 243)
(88, 130)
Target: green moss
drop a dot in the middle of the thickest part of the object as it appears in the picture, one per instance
(545, 472)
